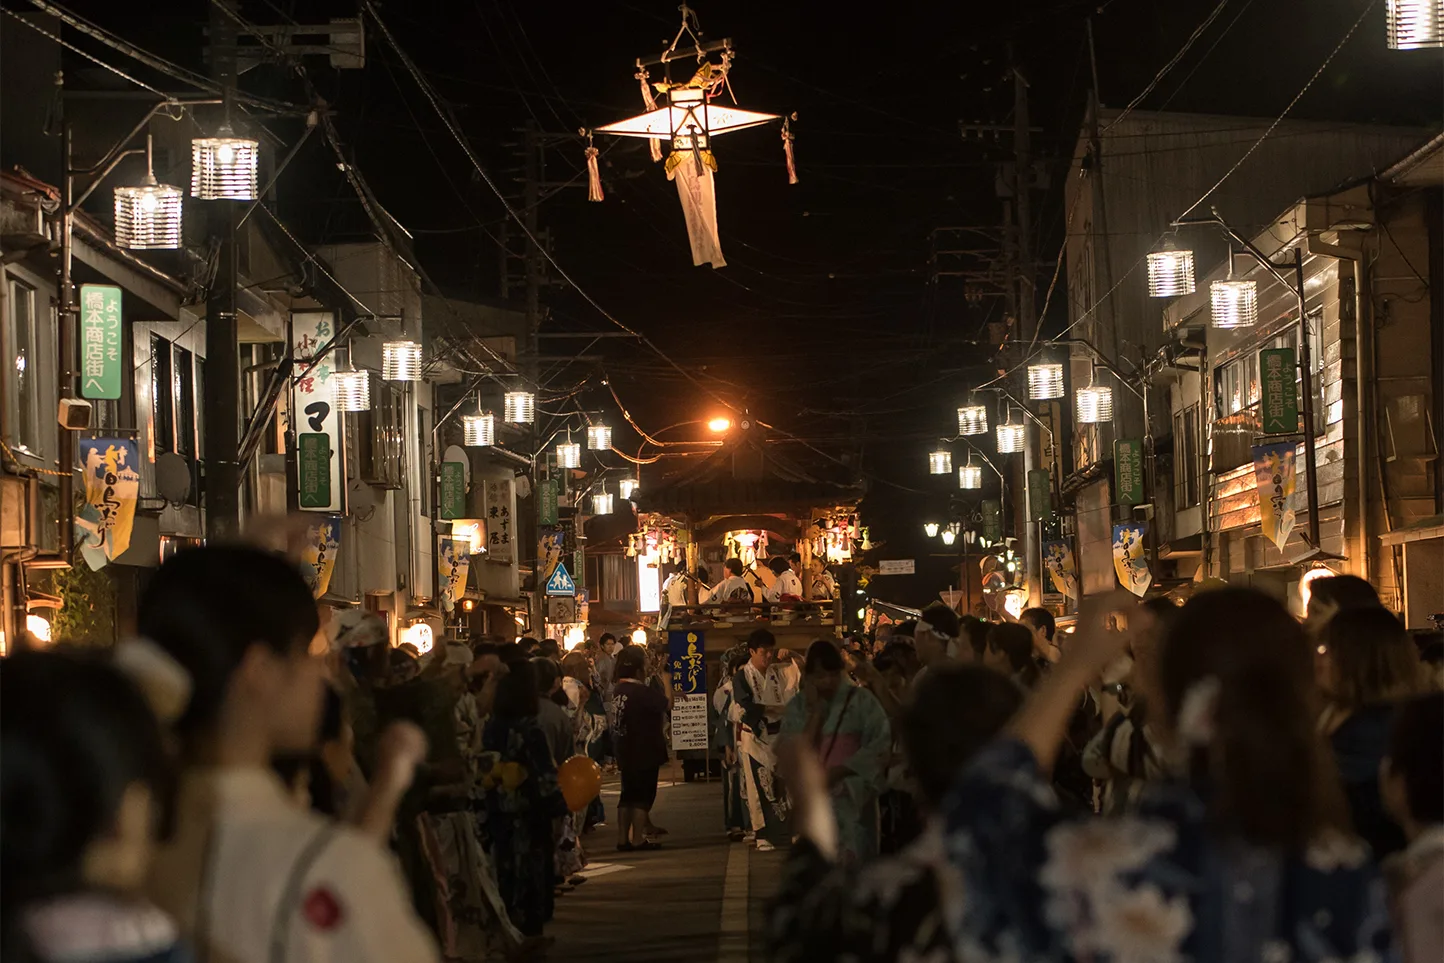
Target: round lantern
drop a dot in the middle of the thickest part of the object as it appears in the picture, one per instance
(1234, 304)
(401, 361)
(1170, 273)
(224, 168)
(479, 430)
(352, 390)
(1095, 405)
(1045, 381)
(519, 407)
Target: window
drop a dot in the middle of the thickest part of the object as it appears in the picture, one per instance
(24, 355)
(379, 437)
(162, 399)
(1186, 468)
(1238, 393)
(185, 403)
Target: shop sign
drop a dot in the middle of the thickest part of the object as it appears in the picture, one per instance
(1040, 501)
(1280, 403)
(689, 722)
(1128, 471)
(686, 662)
(498, 520)
(547, 491)
(992, 511)
(100, 339)
(314, 414)
(313, 469)
(112, 488)
(1130, 562)
(1275, 476)
(897, 566)
(318, 554)
(453, 490)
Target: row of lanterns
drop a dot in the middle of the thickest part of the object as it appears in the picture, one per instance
(1232, 303)
(148, 216)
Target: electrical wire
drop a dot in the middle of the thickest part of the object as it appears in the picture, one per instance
(1163, 72)
(91, 57)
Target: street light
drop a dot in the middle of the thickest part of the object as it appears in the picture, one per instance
(569, 454)
(602, 503)
(479, 430)
(401, 361)
(148, 217)
(599, 438)
(519, 407)
(1414, 24)
(949, 535)
(1234, 304)
(940, 462)
(1010, 437)
(970, 476)
(352, 390)
(1045, 381)
(973, 420)
(1095, 405)
(628, 487)
(1170, 272)
(930, 529)
(719, 425)
(224, 168)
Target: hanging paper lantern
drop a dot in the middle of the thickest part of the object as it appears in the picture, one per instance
(1045, 381)
(1170, 273)
(602, 503)
(940, 462)
(401, 361)
(1414, 24)
(148, 218)
(352, 390)
(1234, 303)
(1095, 405)
(628, 487)
(1010, 438)
(479, 430)
(970, 477)
(519, 407)
(599, 438)
(224, 168)
(973, 420)
(569, 454)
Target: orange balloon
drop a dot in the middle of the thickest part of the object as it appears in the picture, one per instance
(581, 782)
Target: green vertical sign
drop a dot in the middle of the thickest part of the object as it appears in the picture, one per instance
(1280, 404)
(548, 494)
(992, 510)
(453, 490)
(578, 572)
(1040, 495)
(1128, 471)
(313, 467)
(100, 341)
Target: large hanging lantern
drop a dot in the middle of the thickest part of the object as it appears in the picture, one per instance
(628, 487)
(1170, 273)
(1414, 24)
(1010, 438)
(599, 438)
(940, 462)
(1045, 381)
(1234, 303)
(950, 535)
(479, 431)
(352, 390)
(148, 217)
(224, 168)
(970, 476)
(401, 361)
(569, 454)
(689, 120)
(519, 407)
(1095, 405)
(973, 420)
(602, 503)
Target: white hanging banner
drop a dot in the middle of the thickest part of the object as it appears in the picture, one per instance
(313, 413)
(699, 206)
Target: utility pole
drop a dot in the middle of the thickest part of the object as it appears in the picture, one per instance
(1028, 320)
(222, 383)
(532, 173)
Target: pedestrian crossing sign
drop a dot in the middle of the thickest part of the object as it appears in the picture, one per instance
(561, 582)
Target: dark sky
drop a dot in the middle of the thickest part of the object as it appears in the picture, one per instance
(824, 322)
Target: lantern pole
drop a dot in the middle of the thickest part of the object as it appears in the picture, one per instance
(1306, 367)
(65, 437)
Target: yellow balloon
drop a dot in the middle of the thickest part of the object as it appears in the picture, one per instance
(513, 774)
(581, 782)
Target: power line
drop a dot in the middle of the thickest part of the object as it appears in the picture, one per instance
(1198, 32)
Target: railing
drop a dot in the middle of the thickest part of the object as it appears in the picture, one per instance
(820, 612)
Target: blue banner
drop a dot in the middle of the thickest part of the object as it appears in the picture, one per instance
(687, 662)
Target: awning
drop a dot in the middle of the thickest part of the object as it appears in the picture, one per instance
(1424, 528)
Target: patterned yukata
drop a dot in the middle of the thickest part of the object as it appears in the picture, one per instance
(855, 734)
(522, 799)
(1037, 884)
(734, 811)
(761, 699)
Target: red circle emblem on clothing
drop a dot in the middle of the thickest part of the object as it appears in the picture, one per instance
(322, 909)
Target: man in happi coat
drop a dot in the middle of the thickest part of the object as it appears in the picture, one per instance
(761, 690)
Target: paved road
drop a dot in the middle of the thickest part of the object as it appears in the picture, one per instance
(700, 898)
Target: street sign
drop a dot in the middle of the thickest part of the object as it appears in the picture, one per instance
(453, 490)
(561, 584)
(313, 469)
(548, 494)
(1040, 502)
(100, 340)
(1128, 471)
(897, 566)
(992, 510)
(1280, 403)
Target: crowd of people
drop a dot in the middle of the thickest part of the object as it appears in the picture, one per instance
(251, 780)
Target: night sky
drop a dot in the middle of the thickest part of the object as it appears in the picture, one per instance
(825, 322)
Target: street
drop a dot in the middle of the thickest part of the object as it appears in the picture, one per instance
(699, 898)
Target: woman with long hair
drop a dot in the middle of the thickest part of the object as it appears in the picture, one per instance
(1246, 855)
(1367, 665)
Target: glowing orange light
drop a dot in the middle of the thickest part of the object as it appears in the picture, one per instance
(719, 425)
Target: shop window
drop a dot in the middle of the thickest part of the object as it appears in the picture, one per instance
(27, 351)
(162, 400)
(1186, 466)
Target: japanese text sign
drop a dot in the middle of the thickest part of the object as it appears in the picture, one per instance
(100, 341)
(1128, 471)
(1280, 404)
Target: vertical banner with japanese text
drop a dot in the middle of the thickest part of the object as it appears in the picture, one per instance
(1279, 404)
(453, 490)
(1274, 474)
(100, 341)
(314, 417)
(1128, 471)
(687, 665)
(1129, 560)
(318, 554)
(1059, 568)
(112, 487)
(453, 562)
(499, 534)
